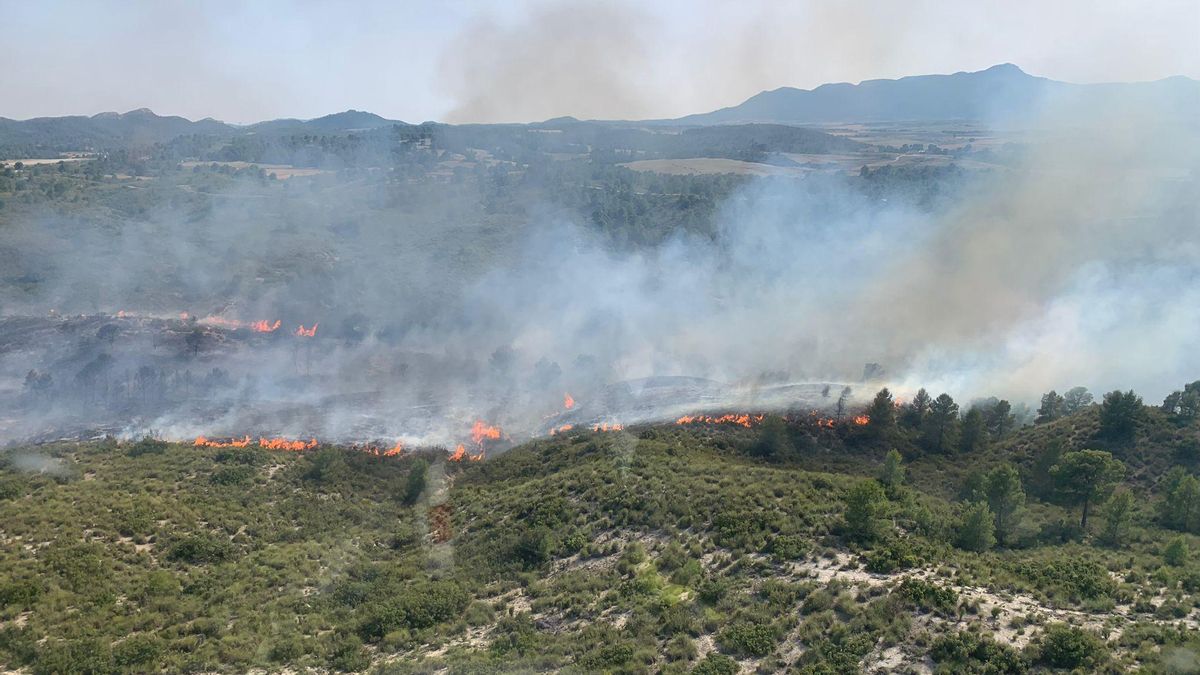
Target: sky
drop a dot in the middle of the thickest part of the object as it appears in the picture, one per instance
(528, 60)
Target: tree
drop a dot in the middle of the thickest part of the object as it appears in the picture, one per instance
(1183, 406)
(843, 399)
(1118, 511)
(941, 425)
(1000, 419)
(1176, 552)
(891, 477)
(773, 442)
(1119, 415)
(1180, 507)
(974, 432)
(1076, 399)
(1051, 408)
(881, 414)
(977, 531)
(864, 507)
(1086, 476)
(1005, 498)
(913, 415)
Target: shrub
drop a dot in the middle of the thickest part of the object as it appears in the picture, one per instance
(929, 596)
(751, 639)
(896, 554)
(232, 475)
(970, 652)
(200, 548)
(1063, 646)
(716, 664)
(788, 547)
(147, 446)
(421, 605)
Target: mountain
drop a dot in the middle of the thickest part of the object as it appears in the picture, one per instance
(1001, 93)
(51, 135)
(351, 120)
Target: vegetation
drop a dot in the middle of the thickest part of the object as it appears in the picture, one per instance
(698, 552)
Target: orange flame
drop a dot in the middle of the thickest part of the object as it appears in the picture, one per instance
(307, 332)
(568, 401)
(458, 454)
(265, 327)
(563, 429)
(860, 420)
(395, 450)
(202, 442)
(481, 431)
(287, 444)
(740, 419)
(605, 426)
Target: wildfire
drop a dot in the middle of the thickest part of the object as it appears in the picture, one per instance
(860, 420)
(265, 327)
(307, 332)
(202, 442)
(605, 426)
(563, 429)
(394, 451)
(740, 419)
(460, 453)
(568, 401)
(287, 444)
(480, 431)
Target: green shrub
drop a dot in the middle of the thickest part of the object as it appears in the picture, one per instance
(929, 596)
(1063, 646)
(716, 664)
(968, 652)
(200, 548)
(744, 637)
(421, 605)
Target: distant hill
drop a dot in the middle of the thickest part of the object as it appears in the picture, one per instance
(1003, 92)
(46, 136)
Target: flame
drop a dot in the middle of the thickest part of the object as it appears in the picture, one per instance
(265, 327)
(287, 444)
(307, 332)
(568, 401)
(563, 429)
(740, 419)
(458, 454)
(605, 426)
(202, 442)
(481, 431)
(394, 451)
(860, 420)
(121, 314)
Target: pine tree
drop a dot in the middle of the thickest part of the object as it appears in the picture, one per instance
(977, 531)
(1005, 497)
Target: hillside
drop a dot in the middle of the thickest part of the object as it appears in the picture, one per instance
(708, 548)
(1002, 93)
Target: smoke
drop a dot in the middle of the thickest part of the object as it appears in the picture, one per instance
(1074, 264)
(583, 60)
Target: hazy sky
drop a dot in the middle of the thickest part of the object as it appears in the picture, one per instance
(523, 60)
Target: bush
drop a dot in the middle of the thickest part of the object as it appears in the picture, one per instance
(200, 548)
(421, 605)
(897, 554)
(232, 475)
(929, 596)
(971, 652)
(751, 639)
(788, 547)
(137, 650)
(716, 664)
(147, 446)
(1063, 646)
